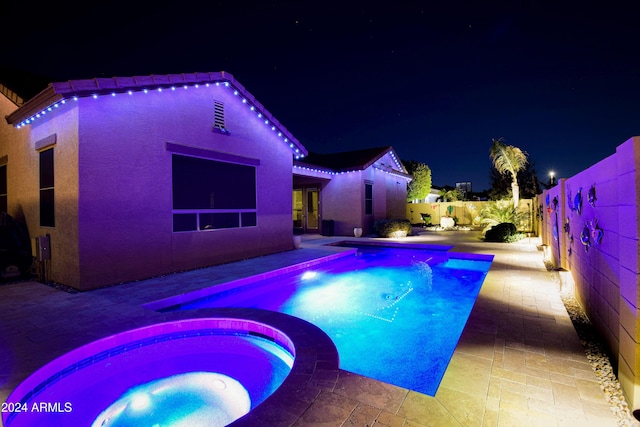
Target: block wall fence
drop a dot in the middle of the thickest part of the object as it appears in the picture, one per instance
(589, 225)
(467, 213)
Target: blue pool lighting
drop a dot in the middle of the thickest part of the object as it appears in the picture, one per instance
(308, 275)
(190, 399)
(188, 372)
(395, 314)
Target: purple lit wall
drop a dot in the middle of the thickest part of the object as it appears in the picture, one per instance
(593, 233)
(113, 181)
(338, 197)
(343, 197)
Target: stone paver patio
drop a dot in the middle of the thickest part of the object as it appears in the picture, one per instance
(519, 361)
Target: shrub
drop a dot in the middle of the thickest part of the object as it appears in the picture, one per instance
(516, 237)
(499, 211)
(501, 232)
(392, 227)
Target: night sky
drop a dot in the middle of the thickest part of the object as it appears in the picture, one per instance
(435, 80)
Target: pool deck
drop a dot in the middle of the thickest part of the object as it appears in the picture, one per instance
(519, 361)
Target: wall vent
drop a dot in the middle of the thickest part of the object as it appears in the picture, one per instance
(218, 116)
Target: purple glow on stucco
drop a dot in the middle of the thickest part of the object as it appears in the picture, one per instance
(602, 260)
(125, 144)
(124, 148)
(117, 85)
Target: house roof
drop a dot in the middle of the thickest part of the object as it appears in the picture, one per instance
(19, 85)
(351, 160)
(60, 92)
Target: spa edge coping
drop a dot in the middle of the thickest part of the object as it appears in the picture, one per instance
(315, 354)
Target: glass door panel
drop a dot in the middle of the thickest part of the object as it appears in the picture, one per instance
(313, 210)
(297, 209)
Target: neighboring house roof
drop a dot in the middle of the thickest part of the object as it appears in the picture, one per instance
(352, 160)
(61, 92)
(19, 85)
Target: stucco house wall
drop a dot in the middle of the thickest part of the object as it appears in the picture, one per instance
(11, 142)
(341, 202)
(343, 197)
(379, 197)
(113, 181)
(59, 131)
(389, 197)
(20, 148)
(591, 225)
(395, 195)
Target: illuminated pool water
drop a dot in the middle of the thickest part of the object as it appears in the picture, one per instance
(207, 371)
(394, 313)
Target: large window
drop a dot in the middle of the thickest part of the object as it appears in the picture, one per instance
(3, 188)
(209, 194)
(47, 217)
(368, 199)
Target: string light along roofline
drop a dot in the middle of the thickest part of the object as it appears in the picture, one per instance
(59, 93)
(400, 172)
(312, 169)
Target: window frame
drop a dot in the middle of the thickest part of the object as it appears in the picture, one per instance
(4, 191)
(46, 185)
(368, 198)
(235, 213)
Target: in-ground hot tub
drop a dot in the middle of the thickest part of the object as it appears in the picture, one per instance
(202, 371)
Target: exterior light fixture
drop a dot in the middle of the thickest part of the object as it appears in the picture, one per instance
(566, 281)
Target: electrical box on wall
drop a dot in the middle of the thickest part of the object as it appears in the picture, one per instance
(42, 248)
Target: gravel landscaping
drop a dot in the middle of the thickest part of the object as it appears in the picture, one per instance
(599, 359)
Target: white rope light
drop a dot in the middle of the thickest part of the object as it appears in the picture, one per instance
(160, 89)
(394, 173)
(327, 172)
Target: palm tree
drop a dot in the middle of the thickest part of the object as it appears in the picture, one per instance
(508, 159)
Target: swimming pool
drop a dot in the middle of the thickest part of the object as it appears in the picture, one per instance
(171, 374)
(394, 313)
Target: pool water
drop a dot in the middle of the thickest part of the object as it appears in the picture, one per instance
(190, 372)
(395, 314)
(193, 399)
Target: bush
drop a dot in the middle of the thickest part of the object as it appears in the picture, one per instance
(392, 227)
(516, 237)
(496, 212)
(501, 232)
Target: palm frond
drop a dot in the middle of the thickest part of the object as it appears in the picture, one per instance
(507, 158)
(499, 211)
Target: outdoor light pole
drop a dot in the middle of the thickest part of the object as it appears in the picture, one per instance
(552, 180)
